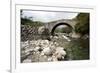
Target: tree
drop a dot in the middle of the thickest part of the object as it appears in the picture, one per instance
(29, 20)
(83, 23)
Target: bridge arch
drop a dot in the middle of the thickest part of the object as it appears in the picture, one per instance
(59, 24)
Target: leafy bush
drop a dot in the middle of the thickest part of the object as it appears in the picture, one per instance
(28, 21)
(83, 23)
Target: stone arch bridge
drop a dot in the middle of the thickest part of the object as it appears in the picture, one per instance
(69, 22)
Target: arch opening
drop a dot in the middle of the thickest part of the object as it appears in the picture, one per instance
(59, 24)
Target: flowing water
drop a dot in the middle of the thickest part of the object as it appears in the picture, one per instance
(76, 49)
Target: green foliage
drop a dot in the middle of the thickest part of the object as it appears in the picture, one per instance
(63, 30)
(28, 21)
(83, 23)
(37, 23)
(58, 30)
(66, 30)
(25, 21)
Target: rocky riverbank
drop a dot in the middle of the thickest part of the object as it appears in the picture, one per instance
(41, 51)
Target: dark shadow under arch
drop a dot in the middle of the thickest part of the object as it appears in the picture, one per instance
(53, 29)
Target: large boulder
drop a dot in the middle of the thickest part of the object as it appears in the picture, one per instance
(44, 33)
